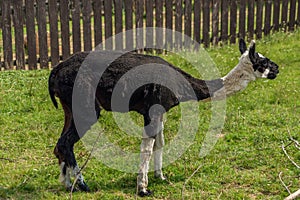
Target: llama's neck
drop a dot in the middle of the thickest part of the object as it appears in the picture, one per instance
(236, 80)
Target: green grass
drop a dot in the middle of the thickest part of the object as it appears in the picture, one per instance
(244, 164)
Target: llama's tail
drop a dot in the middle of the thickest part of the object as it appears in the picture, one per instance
(51, 85)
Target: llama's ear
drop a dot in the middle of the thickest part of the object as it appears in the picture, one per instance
(252, 55)
(242, 46)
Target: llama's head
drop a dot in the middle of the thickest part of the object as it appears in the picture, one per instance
(262, 67)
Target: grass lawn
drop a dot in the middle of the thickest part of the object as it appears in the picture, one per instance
(244, 163)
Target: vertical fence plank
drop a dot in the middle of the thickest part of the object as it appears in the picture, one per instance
(276, 12)
(6, 34)
(242, 19)
(42, 33)
(76, 31)
(178, 23)
(97, 10)
(86, 18)
(149, 23)
(139, 25)
(128, 24)
(31, 36)
(259, 15)
(224, 20)
(53, 20)
(215, 22)
(187, 20)
(159, 24)
(292, 17)
(250, 19)
(65, 30)
(197, 20)
(284, 12)
(169, 24)
(298, 13)
(108, 24)
(19, 34)
(206, 22)
(268, 14)
(119, 24)
(233, 20)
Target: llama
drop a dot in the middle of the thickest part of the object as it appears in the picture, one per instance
(251, 66)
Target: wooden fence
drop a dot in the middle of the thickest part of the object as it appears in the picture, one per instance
(37, 34)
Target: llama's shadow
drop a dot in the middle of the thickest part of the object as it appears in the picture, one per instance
(128, 183)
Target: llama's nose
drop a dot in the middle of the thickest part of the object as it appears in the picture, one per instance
(275, 69)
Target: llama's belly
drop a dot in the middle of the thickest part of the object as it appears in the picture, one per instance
(141, 100)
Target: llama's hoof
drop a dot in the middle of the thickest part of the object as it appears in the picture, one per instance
(161, 177)
(82, 186)
(145, 193)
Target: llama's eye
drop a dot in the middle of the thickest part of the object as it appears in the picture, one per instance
(261, 69)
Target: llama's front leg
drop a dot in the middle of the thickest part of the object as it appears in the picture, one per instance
(146, 152)
(158, 152)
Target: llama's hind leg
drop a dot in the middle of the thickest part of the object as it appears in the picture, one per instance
(64, 152)
(64, 148)
(80, 183)
(75, 170)
(64, 176)
(158, 152)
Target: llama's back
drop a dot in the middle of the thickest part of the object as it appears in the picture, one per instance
(104, 69)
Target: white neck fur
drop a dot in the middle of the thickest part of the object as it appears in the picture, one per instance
(237, 79)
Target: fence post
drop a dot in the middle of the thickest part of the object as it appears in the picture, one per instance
(284, 12)
(250, 19)
(276, 13)
(53, 20)
(128, 24)
(206, 16)
(108, 24)
(187, 20)
(215, 22)
(149, 23)
(97, 8)
(197, 20)
(233, 15)
(19, 34)
(259, 15)
(224, 20)
(268, 13)
(169, 24)
(292, 16)
(178, 23)
(76, 32)
(159, 24)
(42, 33)
(242, 19)
(6, 34)
(87, 32)
(298, 17)
(65, 30)
(119, 24)
(30, 42)
(139, 25)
